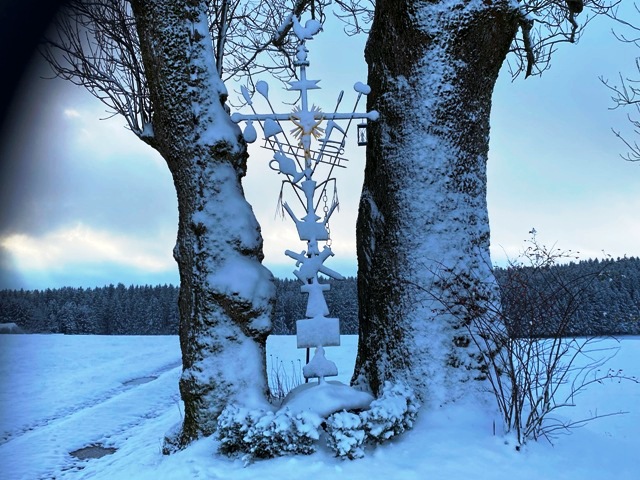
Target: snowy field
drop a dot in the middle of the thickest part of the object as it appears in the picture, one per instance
(62, 393)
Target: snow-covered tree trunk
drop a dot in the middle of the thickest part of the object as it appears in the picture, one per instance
(225, 292)
(423, 212)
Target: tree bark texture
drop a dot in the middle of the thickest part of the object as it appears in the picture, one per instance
(423, 211)
(226, 294)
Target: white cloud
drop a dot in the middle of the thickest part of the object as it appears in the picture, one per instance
(72, 113)
(81, 245)
(595, 228)
(92, 133)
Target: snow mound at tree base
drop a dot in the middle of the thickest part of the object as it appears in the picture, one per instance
(325, 398)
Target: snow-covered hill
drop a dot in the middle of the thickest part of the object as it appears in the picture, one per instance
(62, 393)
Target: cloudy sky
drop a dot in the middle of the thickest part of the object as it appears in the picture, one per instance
(84, 203)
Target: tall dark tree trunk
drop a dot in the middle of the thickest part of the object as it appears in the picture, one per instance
(423, 211)
(225, 293)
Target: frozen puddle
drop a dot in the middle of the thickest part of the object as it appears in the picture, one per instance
(139, 381)
(92, 451)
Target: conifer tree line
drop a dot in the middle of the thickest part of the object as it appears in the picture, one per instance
(110, 310)
(149, 310)
(609, 303)
(587, 298)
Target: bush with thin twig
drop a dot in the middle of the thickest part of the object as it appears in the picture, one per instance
(534, 367)
(283, 378)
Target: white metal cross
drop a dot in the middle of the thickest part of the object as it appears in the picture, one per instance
(298, 162)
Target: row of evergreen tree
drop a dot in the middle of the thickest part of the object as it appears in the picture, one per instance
(149, 310)
(594, 297)
(591, 297)
(110, 310)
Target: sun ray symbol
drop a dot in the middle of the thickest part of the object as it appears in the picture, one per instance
(307, 124)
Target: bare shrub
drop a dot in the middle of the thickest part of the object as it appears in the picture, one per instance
(283, 378)
(532, 359)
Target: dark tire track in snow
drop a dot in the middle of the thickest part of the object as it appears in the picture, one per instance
(101, 398)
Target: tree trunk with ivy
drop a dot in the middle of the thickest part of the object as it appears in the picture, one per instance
(423, 227)
(226, 294)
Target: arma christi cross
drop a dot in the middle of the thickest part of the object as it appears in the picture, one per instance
(299, 162)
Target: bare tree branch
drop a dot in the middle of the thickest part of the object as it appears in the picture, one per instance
(95, 45)
(627, 93)
(549, 23)
(525, 26)
(544, 25)
(535, 365)
(356, 14)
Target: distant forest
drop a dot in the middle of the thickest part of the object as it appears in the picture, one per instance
(602, 298)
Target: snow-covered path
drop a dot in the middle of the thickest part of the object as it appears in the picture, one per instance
(64, 393)
(101, 400)
(108, 422)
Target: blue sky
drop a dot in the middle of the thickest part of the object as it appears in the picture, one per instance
(84, 203)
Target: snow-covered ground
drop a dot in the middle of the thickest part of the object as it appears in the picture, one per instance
(62, 393)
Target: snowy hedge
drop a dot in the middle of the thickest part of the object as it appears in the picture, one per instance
(254, 434)
(390, 415)
(263, 434)
(346, 435)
